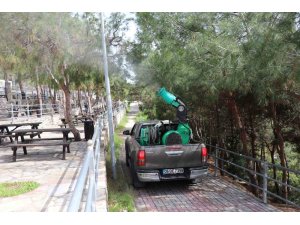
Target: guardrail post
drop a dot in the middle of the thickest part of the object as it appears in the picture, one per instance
(216, 160)
(265, 181)
(12, 113)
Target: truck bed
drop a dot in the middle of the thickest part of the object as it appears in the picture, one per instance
(173, 156)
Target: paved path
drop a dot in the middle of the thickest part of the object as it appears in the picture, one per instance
(213, 194)
(43, 165)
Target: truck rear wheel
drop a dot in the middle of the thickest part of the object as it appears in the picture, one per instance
(136, 183)
(135, 180)
(126, 156)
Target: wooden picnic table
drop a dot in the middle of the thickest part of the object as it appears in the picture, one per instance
(6, 132)
(64, 141)
(5, 127)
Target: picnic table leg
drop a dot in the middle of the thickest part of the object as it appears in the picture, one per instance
(14, 159)
(24, 147)
(36, 127)
(64, 152)
(8, 132)
(66, 138)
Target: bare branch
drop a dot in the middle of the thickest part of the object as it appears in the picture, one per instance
(51, 74)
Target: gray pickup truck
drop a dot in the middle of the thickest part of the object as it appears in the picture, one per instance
(154, 161)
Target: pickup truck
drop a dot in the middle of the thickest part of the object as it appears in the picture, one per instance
(158, 162)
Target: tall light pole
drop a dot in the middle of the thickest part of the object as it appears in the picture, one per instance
(108, 102)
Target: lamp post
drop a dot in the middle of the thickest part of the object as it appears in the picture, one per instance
(108, 101)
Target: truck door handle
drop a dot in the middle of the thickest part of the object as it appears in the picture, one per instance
(174, 153)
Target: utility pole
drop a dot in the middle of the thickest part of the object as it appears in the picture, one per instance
(108, 101)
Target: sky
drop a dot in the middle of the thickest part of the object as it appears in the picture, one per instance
(151, 5)
(132, 28)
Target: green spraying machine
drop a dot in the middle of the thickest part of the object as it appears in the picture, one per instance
(179, 135)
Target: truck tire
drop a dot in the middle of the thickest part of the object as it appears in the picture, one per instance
(135, 180)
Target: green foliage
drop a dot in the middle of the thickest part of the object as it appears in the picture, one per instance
(141, 116)
(122, 124)
(120, 198)
(64, 49)
(120, 88)
(17, 188)
(238, 73)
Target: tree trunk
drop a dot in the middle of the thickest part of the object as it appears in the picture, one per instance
(280, 149)
(53, 99)
(274, 169)
(220, 140)
(79, 100)
(68, 116)
(89, 95)
(21, 86)
(41, 92)
(88, 99)
(50, 93)
(38, 94)
(7, 88)
(234, 110)
(252, 135)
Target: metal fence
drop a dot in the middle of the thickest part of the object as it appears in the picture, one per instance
(13, 111)
(88, 177)
(86, 186)
(27, 111)
(222, 164)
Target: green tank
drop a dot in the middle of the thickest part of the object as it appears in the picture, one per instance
(183, 130)
(144, 137)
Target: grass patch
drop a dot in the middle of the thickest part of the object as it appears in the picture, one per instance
(122, 124)
(141, 117)
(16, 188)
(120, 195)
(118, 145)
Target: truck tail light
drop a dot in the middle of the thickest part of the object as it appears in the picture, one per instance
(141, 158)
(204, 154)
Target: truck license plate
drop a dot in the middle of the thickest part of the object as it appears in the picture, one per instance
(173, 171)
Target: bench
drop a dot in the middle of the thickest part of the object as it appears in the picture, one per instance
(64, 141)
(10, 136)
(15, 145)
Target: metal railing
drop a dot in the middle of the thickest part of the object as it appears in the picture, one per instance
(88, 177)
(265, 167)
(28, 111)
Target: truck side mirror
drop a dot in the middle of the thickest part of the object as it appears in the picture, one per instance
(126, 132)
